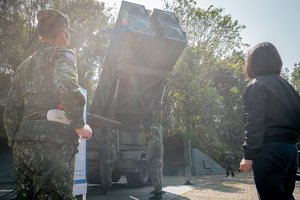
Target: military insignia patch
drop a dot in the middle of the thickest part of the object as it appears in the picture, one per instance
(70, 56)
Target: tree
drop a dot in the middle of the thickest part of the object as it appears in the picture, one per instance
(230, 83)
(19, 38)
(295, 76)
(285, 73)
(205, 102)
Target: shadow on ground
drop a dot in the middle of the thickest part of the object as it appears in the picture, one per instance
(221, 183)
(174, 187)
(123, 191)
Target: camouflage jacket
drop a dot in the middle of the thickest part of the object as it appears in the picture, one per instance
(153, 152)
(229, 160)
(45, 80)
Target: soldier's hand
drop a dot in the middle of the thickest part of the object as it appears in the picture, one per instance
(85, 132)
(245, 165)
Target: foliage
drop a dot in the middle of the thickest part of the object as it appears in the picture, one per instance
(295, 76)
(205, 101)
(285, 73)
(19, 38)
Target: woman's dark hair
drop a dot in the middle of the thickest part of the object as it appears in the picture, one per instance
(263, 59)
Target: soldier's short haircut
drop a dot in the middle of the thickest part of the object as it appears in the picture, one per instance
(50, 29)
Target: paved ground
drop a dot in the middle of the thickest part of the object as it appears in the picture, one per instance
(240, 187)
(212, 187)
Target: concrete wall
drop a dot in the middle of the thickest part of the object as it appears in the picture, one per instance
(204, 165)
(181, 160)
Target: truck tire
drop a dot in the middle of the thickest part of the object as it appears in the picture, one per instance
(138, 179)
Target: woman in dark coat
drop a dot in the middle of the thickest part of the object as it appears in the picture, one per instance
(271, 124)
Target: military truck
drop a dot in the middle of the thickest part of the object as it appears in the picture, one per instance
(144, 48)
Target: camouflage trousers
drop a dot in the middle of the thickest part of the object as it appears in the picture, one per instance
(155, 177)
(229, 169)
(44, 170)
(105, 170)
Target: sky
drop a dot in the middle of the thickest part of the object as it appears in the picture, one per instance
(275, 21)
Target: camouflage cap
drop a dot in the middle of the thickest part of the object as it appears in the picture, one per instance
(55, 17)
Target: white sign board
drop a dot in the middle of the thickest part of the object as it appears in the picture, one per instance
(80, 179)
(80, 176)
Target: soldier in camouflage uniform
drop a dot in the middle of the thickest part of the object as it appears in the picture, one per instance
(153, 158)
(108, 155)
(229, 164)
(44, 151)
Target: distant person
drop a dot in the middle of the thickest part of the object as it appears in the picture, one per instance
(272, 125)
(229, 164)
(153, 158)
(44, 151)
(108, 156)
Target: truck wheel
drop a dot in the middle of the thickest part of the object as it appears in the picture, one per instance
(138, 179)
